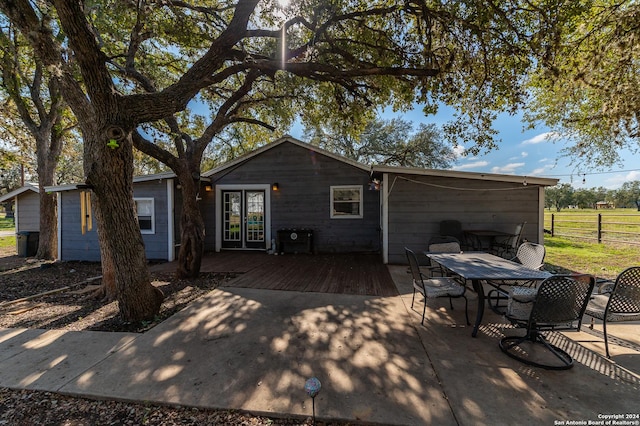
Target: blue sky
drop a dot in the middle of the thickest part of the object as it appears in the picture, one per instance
(530, 152)
(527, 152)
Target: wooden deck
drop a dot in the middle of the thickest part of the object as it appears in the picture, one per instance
(362, 274)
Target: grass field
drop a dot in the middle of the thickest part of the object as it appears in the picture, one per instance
(6, 224)
(612, 226)
(601, 260)
(7, 242)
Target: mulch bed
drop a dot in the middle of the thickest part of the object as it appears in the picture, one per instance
(65, 297)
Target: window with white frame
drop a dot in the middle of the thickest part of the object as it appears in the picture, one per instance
(346, 202)
(144, 212)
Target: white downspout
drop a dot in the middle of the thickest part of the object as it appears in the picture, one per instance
(170, 218)
(385, 218)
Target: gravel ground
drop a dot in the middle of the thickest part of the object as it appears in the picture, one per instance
(70, 306)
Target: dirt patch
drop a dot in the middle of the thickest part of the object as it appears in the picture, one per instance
(59, 295)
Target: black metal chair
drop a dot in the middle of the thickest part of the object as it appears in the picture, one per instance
(434, 287)
(530, 255)
(442, 244)
(506, 247)
(621, 303)
(557, 304)
(453, 228)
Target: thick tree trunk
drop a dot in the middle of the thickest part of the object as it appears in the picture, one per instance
(110, 174)
(192, 230)
(108, 290)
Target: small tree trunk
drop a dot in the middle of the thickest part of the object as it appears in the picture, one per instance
(48, 147)
(192, 230)
(48, 237)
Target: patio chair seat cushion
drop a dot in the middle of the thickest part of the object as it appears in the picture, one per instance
(521, 302)
(442, 286)
(596, 309)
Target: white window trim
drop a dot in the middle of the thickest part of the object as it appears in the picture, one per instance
(153, 215)
(345, 216)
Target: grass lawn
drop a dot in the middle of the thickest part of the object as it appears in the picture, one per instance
(7, 242)
(6, 224)
(601, 260)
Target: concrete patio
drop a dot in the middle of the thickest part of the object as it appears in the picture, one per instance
(252, 349)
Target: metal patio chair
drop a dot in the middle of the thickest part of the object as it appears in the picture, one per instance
(434, 287)
(530, 255)
(622, 303)
(452, 228)
(557, 304)
(442, 244)
(506, 247)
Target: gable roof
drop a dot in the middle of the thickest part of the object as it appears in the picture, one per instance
(379, 169)
(278, 142)
(27, 187)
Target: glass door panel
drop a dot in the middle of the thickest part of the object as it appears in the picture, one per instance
(254, 201)
(232, 219)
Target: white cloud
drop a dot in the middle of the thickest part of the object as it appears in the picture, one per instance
(459, 150)
(616, 181)
(541, 138)
(538, 171)
(633, 175)
(523, 154)
(473, 165)
(507, 169)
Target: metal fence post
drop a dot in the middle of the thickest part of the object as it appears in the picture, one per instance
(599, 227)
(552, 223)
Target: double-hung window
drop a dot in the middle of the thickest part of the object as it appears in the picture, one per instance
(346, 202)
(144, 212)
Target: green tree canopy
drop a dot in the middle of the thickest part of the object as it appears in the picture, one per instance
(122, 64)
(588, 90)
(391, 142)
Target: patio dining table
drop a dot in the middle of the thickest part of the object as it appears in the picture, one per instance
(479, 266)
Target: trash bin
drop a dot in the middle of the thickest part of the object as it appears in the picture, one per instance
(32, 243)
(22, 239)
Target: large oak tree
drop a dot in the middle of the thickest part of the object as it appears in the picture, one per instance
(588, 90)
(255, 62)
(40, 108)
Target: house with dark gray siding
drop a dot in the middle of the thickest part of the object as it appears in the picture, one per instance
(414, 201)
(289, 188)
(292, 197)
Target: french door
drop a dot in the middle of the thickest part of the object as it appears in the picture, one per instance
(243, 219)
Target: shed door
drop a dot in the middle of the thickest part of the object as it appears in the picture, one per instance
(243, 219)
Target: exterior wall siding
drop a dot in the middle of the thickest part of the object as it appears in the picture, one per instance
(28, 213)
(303, 199)
(417, 206)
(75, 246)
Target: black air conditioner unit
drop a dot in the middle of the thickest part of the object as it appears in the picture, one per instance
(295, 241)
